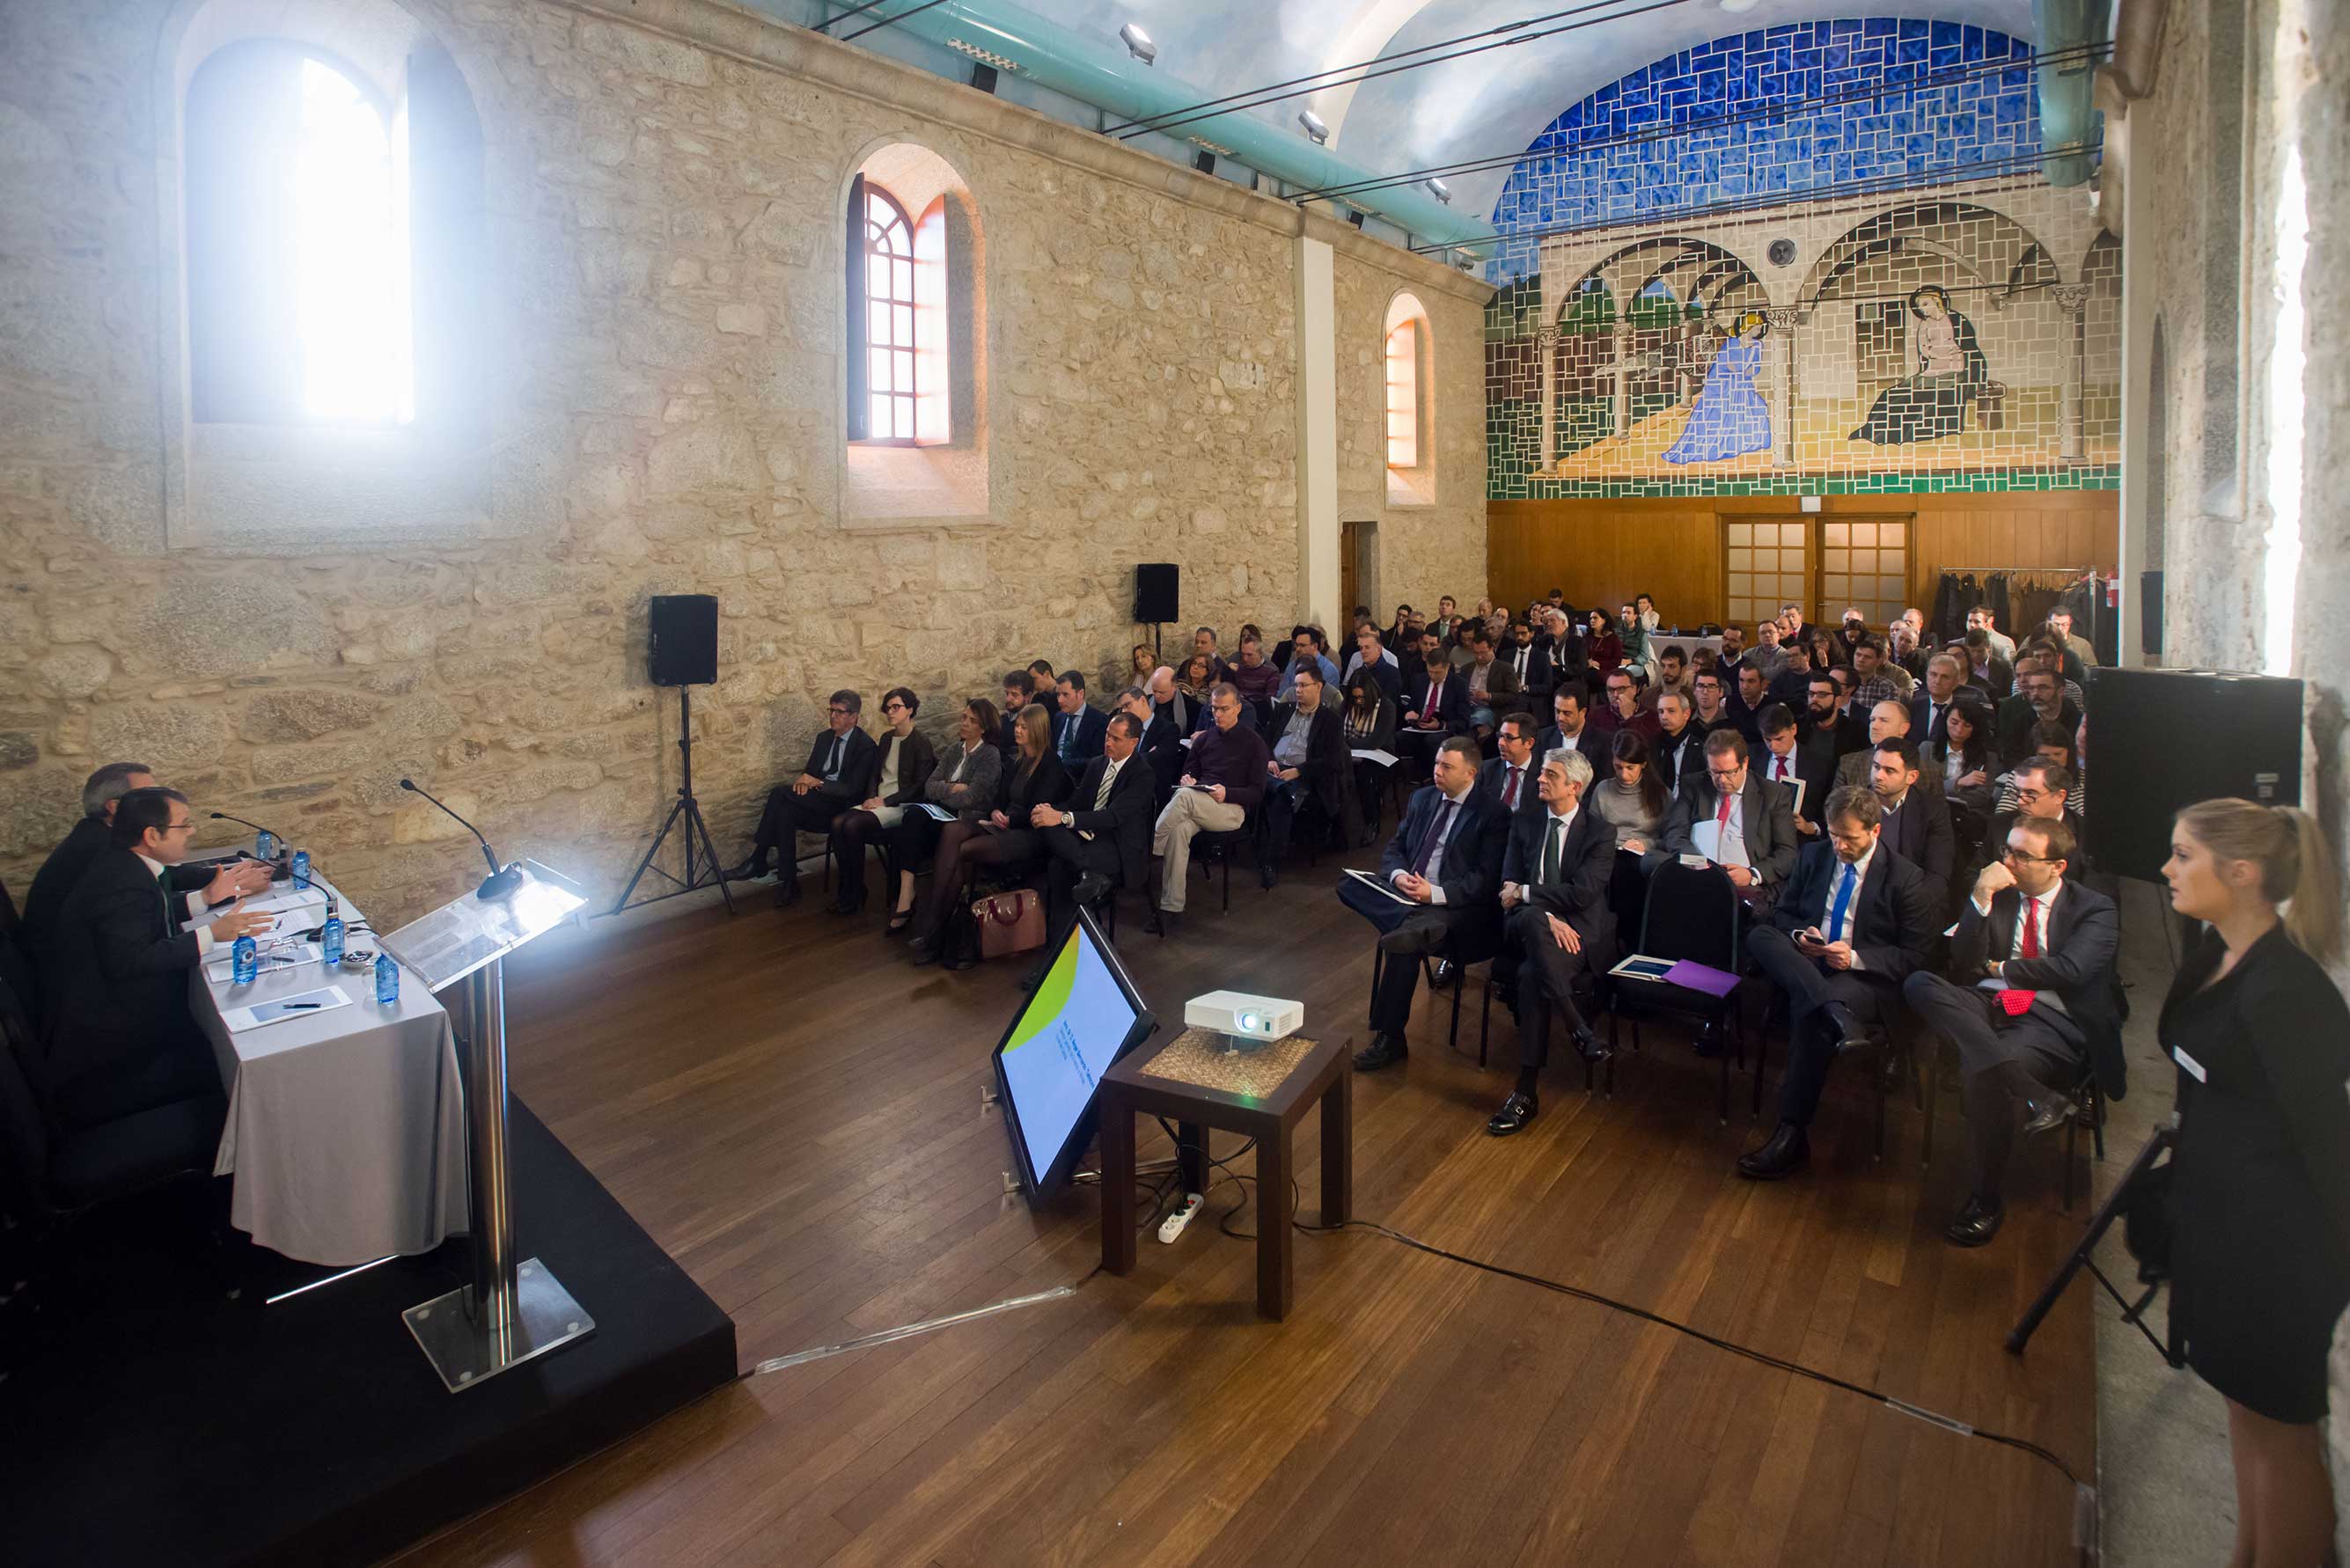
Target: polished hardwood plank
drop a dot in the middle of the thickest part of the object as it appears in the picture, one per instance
(796, 1114)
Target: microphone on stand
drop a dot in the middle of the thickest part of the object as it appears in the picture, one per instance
(499, 882)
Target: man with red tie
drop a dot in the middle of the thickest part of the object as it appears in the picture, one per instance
(1785, 760)
(1509, 780)
(2033, 994)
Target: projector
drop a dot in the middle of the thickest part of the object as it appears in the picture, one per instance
(1242, 1016)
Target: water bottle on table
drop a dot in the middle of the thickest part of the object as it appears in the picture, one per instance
(244, 961)
(301, 868)
(330, 937)
(264, 845)
(387, 981)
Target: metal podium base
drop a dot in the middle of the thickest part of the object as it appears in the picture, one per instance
(466, 1351)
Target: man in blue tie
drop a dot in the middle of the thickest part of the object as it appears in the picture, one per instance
(1444, 864)
(1853, 923)
(1077, 727)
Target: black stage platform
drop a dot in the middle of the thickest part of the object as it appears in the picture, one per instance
(150, 1419)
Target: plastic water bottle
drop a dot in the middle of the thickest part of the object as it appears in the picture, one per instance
(330, 937)
(387, 981)
(244, 961)
(264, 844)
(301, 868)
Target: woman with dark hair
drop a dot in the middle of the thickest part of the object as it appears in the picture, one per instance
(964, 783)
(1967, 762)
(1933, 402)
(1367, 719)
(907, 760)
(1603, 647)
(1193, 677)
(1633, 802)
(2259, 1177)
(1828, 653)
(1037, 778)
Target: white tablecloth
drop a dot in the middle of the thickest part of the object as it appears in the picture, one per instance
(346, 1132)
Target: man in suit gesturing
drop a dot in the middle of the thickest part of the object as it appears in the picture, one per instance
(120, 1038)
(1855, 921)
(1101, 839)
(839, 774)
(1445, 864)
(1555, 897)
(2033, 996)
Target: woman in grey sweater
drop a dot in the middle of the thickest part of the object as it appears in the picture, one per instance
(964, 783)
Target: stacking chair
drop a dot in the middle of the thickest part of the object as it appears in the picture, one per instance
(1691, 914)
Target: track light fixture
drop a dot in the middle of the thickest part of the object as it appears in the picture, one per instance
(1441, 191)
(1315, 128)
(1137, 44)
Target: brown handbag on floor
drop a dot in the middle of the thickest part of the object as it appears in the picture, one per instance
(1010, 922)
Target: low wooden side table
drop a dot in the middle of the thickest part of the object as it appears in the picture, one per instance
(1194, 1080)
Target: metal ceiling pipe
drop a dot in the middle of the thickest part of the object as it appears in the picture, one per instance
(2067, 97)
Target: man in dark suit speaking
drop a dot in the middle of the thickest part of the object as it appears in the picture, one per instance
(1853, 923)
(120, 1039)
(1444, 864)
(1101, 840)
(2034, 995)
(839, 774)
(1555, 890)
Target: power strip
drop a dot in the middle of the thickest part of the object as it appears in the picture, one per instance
(1173, 1226)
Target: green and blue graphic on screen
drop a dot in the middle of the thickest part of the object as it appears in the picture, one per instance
(1078, 1019)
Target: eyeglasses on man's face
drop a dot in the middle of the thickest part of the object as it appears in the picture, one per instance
(2024, 857)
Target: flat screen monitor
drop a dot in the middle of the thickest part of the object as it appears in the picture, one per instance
(1083, 1015)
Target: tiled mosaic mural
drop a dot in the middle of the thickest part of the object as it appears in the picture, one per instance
(1875, 296)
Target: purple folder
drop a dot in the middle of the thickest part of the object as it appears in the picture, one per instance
(1701, 976)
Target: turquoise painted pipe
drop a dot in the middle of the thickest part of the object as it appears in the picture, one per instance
(2067, 114)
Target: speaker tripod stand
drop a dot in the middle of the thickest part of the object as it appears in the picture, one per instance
(2084, 1256)
(690, 809)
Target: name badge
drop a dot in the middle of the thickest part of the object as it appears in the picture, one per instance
(2194, 1068)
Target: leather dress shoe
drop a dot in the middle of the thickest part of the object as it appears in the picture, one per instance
(1977, 1224)
(1846, 1028)
(1162, 922)
(923, 950)
(1445, 974)
(788, 893)
(1787, 1152)
(1384, 1050)
(749, 870)
(1588, 1045)
(2052, 1112)
(1090, 889)
(1515, 1113)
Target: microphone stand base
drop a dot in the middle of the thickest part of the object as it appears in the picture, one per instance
(467, 1345)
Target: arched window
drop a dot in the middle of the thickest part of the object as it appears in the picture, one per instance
(1408, 357)
(891, 336)
(1403, 396)
(297, 225)
(901, 367)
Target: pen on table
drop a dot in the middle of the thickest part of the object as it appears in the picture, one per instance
(299, 1006)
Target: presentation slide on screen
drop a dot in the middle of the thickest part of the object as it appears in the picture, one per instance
(1062, 1045)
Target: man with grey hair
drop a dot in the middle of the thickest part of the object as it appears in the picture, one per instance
(1555, 879)
(1168, 698)
(195, 885)
(1224, 782)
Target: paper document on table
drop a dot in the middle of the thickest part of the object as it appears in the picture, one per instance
(220, 967)
(288, 899)
(1384, 759)
(307, 1004)
(1379, 885)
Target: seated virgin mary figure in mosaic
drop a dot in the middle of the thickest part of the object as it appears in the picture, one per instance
(1728, 418)
(1951, 370)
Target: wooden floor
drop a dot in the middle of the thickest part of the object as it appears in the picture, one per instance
(795, 1115)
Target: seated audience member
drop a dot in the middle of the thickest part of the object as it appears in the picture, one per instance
(2049, 745)
(1806, 771)
(1203, 642)
(1141, 661)
(1743, 707)
(1888, 720)
(1193, 679)
(120, 1039)
(1769, 655)
(1981, 666)
(839, 775)
(1171, 701)
(964, 782)
(2030, 1004)
(1528, 661)
(1570, 657)
(1002, 838)
(1673, 674)
(1368, 721)
(1733, 657)
(1099, 840)
(1850, 635)
(1307, 647)
(1555, 871)
(1445, 863)
(2041, 790)
(1571, 727)
(905, 759)
(1604, 645)
(1222, 782)
(2074, 654)
(1905, 661)
(195, 887)
(2038, 699)
(1632, 801)
(1979, 618)
(1734, 820)
(1930, 706)
(1041, 670)
(1438, 706)
(1077, 725)
(1393, 635)
(1019, 690)
(1916, 820)
(1508, 779)
(1445, 622)
(1370, 653)
(1676, 750)
(1705, 661)
(1855, 922)
(1638, 633)
(1309, 762)
(1712, 709)
(1163, 742)
(1964, 753)
(1491, 686)
(1253, 675)
(1793, 684)
(1621, 710)
(1362, 618)
(1824, 724)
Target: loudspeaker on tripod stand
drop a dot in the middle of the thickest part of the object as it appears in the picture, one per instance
(681, 650)
(1157, 595)
(684, 650)
(2242, 738)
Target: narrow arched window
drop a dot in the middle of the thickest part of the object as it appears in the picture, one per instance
(892, 338)
(1403, 396)
(297, 225)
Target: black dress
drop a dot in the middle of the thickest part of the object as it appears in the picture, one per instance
(2261, 1190)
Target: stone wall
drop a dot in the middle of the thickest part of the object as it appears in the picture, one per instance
(664, 303)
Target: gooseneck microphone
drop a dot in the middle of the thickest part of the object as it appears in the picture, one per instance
(224, 817)
(279, 869)
(499, 882)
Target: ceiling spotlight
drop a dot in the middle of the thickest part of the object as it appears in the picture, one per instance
(1441, 191)
(1315, 128)
(1138, 43)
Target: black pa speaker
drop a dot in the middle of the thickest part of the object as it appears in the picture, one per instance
(684, 651)
(1156, 596)
(2161, 740)
(2149, 613)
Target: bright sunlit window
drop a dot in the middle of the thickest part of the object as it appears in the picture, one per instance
(351, 255)
(1403, 396)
